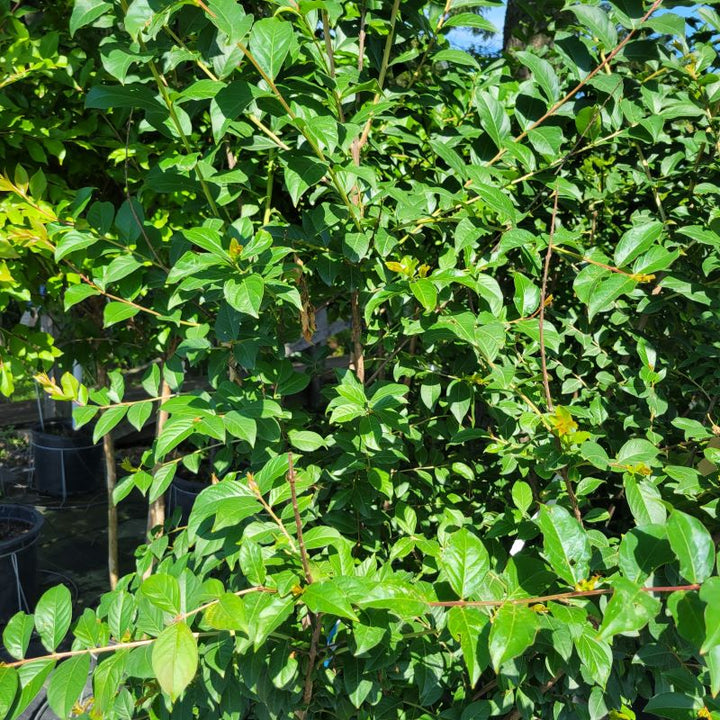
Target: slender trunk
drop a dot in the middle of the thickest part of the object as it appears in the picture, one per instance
(156, 509)
(110, 480)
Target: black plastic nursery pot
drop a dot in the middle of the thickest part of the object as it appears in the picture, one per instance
(19, 530)
(66, 461)
(182, 494)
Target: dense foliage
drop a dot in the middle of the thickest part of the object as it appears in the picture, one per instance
(504, 505)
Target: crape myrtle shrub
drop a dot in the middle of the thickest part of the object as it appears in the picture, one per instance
(506, 506)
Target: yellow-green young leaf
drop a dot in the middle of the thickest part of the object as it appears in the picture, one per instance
(66, 684)
(424, 290)
(227, 614)
(629, 609)
(53, 614)
(565, 544)
(8, 688)
(175, 658)
(512, 632)
(693, 546)
(465, 561)
(522, 495)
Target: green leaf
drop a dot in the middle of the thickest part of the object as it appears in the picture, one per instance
(86, 12)
(527, 295)
(8, 687)
(77, 293)
(465, 561)
(635, 452)
(565, 544)
(306, 440)
(252, 562)
(522, 495)
(676, 706)
(108, 420)
(469, 625)
(595, 655)
(645, 501)
(630, 609)
(301, 173)
(163, 591)
(512, 632)
(693, 546)
(607, 291)
(73, 241)
(66, 684)
(239, 426)
(175, 659)
(599, 24)
(139, 413)
(229, 17)
(636, 241)
(17, 633)
(543, 74)
(115, 312)
(228, 613)
(424, 290)
(470, 20)
(32, 677)
(53, 614)
(642, 550)
(208, 239)
(358, 685)
(246, 295)
(328, 597)
(270, 43)
(710, 595)
(493, 118)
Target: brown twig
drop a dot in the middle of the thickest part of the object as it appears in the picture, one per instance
(298, 521)
(308, 689)
(358, 359)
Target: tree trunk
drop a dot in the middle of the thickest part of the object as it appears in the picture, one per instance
(156, 509)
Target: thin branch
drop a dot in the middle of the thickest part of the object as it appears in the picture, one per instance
(308, 689)
(291, 477)
(358, 358)
(256, 491)
(557, 596)
(386, 360)
(239, 593)
(543, 298)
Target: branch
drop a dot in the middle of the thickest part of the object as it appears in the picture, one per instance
(557, 596)
(298, 522)
(543, 298)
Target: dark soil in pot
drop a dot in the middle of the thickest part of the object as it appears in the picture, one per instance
(19, 530)
(66, 461)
